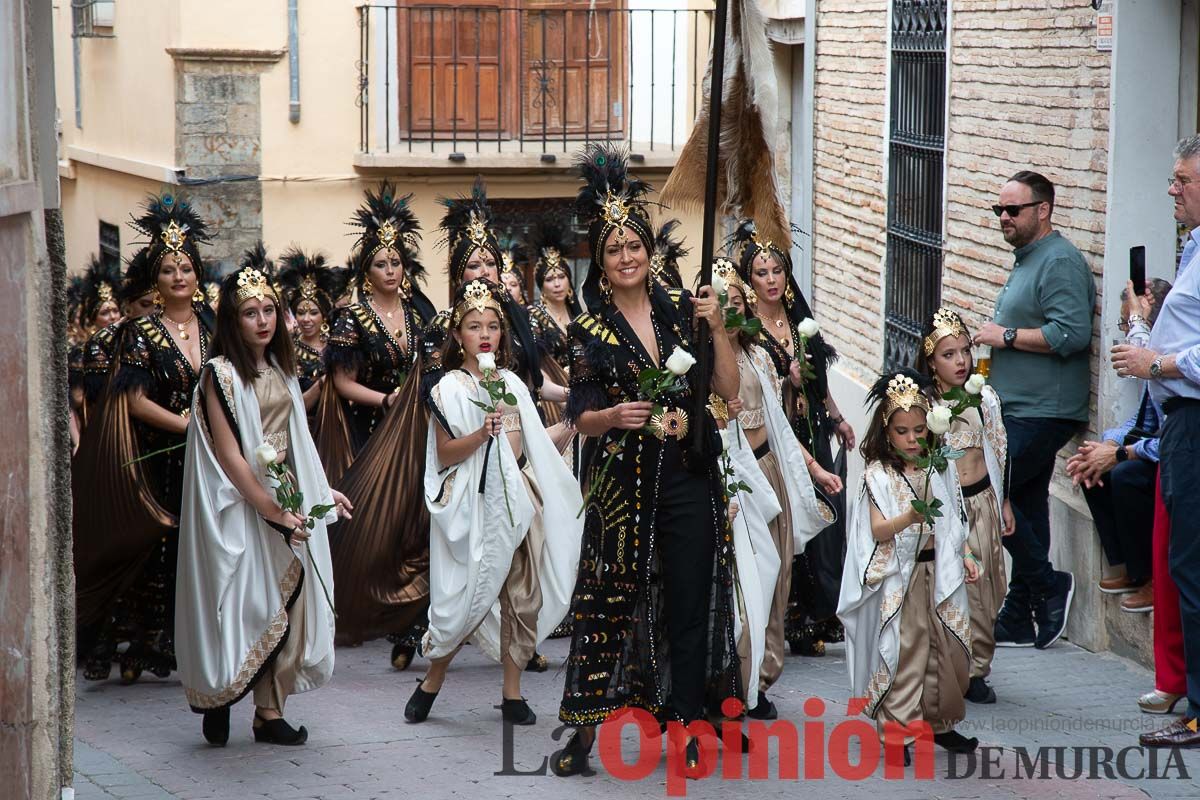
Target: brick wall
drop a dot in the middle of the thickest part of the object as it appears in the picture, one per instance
(849, 194)
(1028, 90)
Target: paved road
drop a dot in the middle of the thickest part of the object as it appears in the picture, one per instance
(142, 742)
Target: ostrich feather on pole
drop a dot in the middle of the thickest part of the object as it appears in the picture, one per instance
(746, 176)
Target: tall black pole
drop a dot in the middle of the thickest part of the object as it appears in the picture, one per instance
(716, 81)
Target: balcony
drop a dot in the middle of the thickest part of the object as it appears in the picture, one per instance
(523, 84)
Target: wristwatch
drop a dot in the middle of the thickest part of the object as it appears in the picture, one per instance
(1010, 338)
(1156, 368)
(1122, 454)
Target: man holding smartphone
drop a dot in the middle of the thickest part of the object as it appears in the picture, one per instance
(1040, 337)
(1171, 364)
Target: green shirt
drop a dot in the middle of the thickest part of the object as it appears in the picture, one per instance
(1050, 288)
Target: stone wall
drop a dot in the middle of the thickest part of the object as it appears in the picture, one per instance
(218, 142)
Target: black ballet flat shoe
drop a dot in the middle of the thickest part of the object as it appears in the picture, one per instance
(130, 672)
(572, 759)
(955, 742)
(807, 645)
(216, 726)
(402, 656)
(277, 731)
(517, 712)
(979, 692)
(97, 667)
(764, 710)
(539, 663)
(691, 755)
(417, 707)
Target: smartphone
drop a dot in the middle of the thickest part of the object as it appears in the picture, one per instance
(1137, 269)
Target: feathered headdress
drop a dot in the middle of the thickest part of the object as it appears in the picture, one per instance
(386, 220)
(467, 227)
(901, 390)
(553, 240)
(139, 278)
(101, 283)
(171, 225)
(308, 277)
(609, 200)
(668, 249)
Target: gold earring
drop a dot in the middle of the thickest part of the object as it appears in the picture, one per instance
(324, 331)
(368, 288)
(198, 296)
(157, 299)
(605, 289)
(788, 295)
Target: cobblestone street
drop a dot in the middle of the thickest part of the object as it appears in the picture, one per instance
(143, 743)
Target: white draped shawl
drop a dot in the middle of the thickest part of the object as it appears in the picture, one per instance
(876, 576)
(809, 515)
(237, 576)
(471, 538)
(756, 560)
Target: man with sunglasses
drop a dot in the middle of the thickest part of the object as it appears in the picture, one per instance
(1040, 337)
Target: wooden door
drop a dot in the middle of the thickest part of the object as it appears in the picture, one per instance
(573, 75)
(456, 67)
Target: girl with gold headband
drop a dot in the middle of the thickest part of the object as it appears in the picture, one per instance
(381, 557)
(653, 606)
(903, 600)
(260, 621)
(310, 288)
(760, 429)
(982, 470)
(802, 359)
(126, 544)
(503, 507)
(475, 255)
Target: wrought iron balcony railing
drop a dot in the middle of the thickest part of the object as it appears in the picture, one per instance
(533, 77)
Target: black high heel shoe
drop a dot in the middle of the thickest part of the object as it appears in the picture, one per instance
(517, 711)
(277, 731)
(417, 707)
(216, 726)
(402, 656)
(572, 759)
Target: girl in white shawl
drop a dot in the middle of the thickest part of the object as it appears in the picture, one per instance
(983, 474)
(765, 451)
(252, 607)
(903, 599)
(502, 506)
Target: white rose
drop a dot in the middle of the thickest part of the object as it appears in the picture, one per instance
(680, 362)
(726, 440)
(719, 286)
(938, 420)
(265, 455)
(486, 362)
(974, 384)
(809, 327)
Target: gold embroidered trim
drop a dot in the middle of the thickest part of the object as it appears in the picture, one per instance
(595, 327)
(223, 370)
(259, 652)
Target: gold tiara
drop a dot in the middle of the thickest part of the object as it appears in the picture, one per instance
(902, 394)
(252, 285)
(476, 297)
(945, 323)
(616, 210)
(476, 230)
(553, 260)
(507, 263)
(388, 234)
(308, 289)
(728, 272)
(174, 236)
(105, 292)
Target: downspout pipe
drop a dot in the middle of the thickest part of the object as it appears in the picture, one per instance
(293, 12)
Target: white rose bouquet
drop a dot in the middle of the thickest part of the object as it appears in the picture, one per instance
(493, 384)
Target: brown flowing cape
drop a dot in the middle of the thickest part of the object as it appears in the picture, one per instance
(117, 523)
(333, 435)
(381, 555)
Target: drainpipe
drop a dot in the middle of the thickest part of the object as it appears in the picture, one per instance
(294, 59)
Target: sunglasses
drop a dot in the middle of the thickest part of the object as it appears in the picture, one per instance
(1014, 210)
